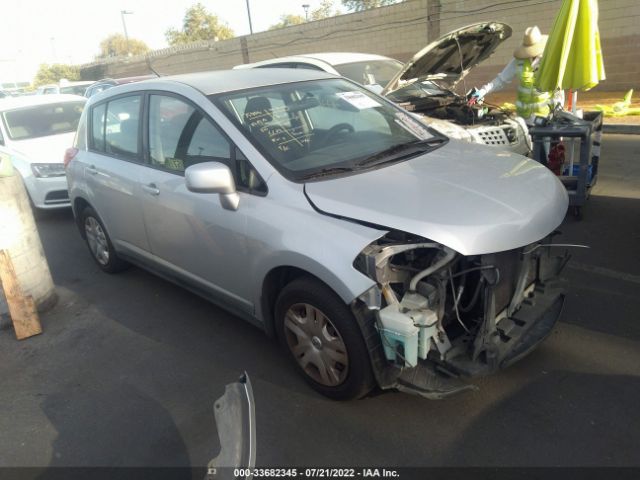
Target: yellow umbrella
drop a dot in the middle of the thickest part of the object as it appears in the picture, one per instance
(572, 58)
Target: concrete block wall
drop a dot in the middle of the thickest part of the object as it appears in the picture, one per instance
(620, 37)
(399, 31)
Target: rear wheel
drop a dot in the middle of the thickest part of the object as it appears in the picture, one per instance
(99, 243)
(322, 337)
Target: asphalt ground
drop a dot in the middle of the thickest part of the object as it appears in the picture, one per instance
(128, 367)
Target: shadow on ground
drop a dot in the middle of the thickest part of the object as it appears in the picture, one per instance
(559, 419)
(95, 426)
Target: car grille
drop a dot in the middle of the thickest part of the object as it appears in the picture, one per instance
(495, 135)
(57, 196)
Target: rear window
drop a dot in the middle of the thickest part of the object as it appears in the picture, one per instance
(374, 72)
(43, 120)
(74, 89)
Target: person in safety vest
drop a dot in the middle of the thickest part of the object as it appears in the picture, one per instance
(530, 102)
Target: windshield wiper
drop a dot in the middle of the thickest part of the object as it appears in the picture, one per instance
(406, 149)
(325, 172)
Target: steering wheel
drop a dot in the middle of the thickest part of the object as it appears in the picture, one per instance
(333, 131)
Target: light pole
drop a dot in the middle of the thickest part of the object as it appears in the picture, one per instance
(249, 15)
(53, 49)
(124, 26)
(306, 11)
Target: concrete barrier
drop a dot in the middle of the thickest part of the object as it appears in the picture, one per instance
(19, 237)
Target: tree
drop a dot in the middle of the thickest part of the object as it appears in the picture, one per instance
(325, 10)
(359, 5)
(116, 45)
(198, 24)
(52, 73)
(287, 20)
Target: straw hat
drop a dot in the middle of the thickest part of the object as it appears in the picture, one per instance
(533, 44)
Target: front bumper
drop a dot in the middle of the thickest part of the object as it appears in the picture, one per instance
(48, 193)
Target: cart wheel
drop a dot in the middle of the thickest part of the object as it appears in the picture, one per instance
(577, 212)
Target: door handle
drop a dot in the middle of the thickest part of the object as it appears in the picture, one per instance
(92, 170)
(151, 189)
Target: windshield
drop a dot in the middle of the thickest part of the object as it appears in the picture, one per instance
(324, 127)
(376, 72)
(43, 120)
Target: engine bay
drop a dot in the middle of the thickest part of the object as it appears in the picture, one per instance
(427, 98)
(462, 316)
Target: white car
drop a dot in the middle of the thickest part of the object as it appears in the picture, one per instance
(35, 131)
(65, 86)
(370, 70)
(426, 84)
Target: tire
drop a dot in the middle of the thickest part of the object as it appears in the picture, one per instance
(99, 243)
(315, 327)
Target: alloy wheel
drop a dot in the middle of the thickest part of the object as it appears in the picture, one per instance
(97, 240)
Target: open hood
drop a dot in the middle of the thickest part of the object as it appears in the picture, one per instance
(468, 197)
(448, 59)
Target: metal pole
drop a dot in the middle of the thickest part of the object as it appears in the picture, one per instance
(124, 26)
(53, 49)
(306, 12)
(249, 15)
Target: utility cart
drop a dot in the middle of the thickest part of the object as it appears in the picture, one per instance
(581, 136)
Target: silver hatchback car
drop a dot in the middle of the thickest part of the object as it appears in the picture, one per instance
(378, 251)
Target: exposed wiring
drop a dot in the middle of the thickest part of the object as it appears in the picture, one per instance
(474, 298)
(482, 267)
(456, 299)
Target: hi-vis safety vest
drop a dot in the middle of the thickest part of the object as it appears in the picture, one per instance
(530, 102)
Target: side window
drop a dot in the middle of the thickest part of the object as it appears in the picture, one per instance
(97, 127)
(207, 141)
(279, 65)
(123, 126)
(180, 136)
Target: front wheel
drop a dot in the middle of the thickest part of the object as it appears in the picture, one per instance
(100, 244)
(322, 337)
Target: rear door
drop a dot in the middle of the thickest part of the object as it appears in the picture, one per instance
(113, 166)
(191, 234)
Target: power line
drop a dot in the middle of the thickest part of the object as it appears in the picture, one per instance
(486, 7)
(500, 9)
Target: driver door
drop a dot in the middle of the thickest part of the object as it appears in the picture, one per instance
(191, 235)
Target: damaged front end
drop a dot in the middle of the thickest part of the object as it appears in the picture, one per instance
(436, 317)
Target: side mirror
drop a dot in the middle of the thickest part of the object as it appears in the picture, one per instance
(213, 177)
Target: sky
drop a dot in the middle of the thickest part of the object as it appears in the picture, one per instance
(70, 31)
